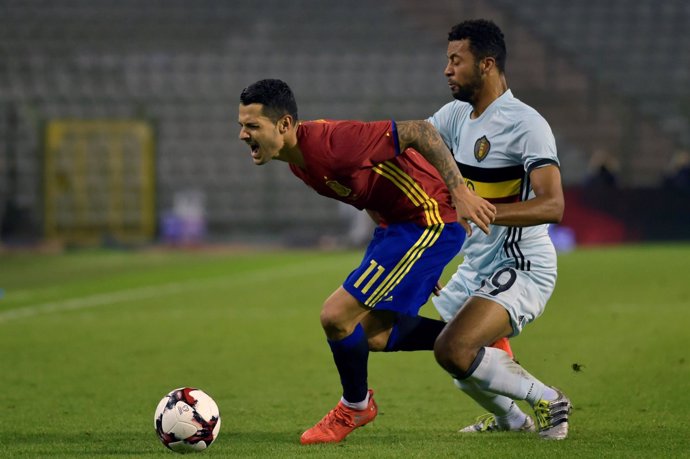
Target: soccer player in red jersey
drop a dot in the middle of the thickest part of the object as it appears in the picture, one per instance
(405, 177)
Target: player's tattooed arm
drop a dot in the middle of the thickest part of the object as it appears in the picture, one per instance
(424, 138)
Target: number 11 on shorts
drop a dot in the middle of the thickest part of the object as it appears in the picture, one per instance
(373, 265)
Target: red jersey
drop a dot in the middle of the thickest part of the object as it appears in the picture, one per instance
(361, 164)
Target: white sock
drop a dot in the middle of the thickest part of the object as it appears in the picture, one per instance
(499, 374)
(499, 405)
(549, 394)
(357, 406)
(508, 414)
(513, 420)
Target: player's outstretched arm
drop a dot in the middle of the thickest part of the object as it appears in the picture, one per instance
(424, 138)
(546, 206)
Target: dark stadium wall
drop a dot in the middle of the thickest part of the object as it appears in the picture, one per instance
(600, 216)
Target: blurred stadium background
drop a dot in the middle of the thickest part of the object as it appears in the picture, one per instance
(118, 117)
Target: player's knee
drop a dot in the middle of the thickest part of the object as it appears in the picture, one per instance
(333, 324)
(453, 353)
(443, 353)
(329, 320)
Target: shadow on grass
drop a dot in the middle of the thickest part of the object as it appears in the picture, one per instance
(138, 444)
(121, 444)
(370, 441)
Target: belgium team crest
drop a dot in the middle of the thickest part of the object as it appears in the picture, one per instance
(481, 148)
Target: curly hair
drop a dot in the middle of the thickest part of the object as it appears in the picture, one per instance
(485, 37)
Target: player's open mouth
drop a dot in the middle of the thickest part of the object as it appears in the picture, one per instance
(255, 150)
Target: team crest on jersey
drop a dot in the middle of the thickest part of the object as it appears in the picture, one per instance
(481, 148)
(340, 190)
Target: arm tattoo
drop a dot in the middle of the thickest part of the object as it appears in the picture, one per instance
(424, 138)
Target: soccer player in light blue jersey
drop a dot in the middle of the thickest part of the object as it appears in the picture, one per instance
(507, 154)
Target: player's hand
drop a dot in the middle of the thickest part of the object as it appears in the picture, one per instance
(473, 208)
(437, 289)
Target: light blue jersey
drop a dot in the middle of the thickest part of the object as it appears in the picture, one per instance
(495, 153)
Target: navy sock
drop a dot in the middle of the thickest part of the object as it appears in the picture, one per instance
(351, 355)
(414, 333)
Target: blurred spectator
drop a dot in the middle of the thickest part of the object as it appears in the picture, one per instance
(678, 173)
(602, 170)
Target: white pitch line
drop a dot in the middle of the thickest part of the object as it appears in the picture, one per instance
(154, 291)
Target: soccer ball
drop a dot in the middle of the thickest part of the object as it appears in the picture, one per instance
(186, 420)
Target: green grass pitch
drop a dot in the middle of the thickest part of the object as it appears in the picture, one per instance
(90, 341)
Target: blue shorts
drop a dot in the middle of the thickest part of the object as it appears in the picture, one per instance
(402, 265)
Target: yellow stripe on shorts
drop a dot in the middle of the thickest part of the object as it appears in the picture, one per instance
(426, 240)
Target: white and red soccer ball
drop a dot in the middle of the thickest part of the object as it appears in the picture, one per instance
(187, 420)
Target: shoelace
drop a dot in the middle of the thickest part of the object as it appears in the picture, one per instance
(337, 416)
(486, 422)
(542, 413)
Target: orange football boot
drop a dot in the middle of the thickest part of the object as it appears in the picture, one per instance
(339, 422)
(504, 345)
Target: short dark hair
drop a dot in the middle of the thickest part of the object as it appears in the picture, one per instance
(485, 37)
(275, 96)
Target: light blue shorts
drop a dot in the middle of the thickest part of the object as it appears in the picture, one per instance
(522, 293)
